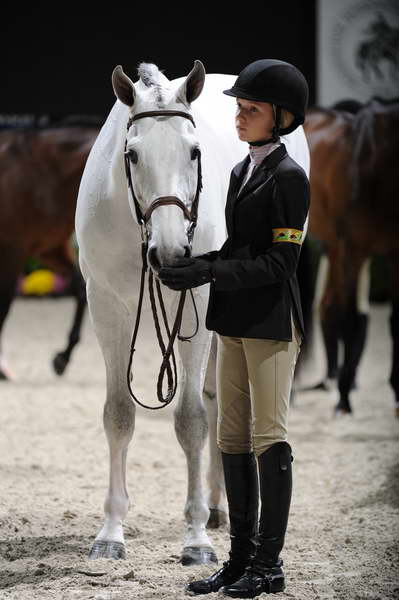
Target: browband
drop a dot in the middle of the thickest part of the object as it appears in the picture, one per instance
(160, 113)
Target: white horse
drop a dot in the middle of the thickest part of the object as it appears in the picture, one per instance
(163, 163)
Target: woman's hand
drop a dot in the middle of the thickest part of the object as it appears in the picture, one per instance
(186, 274)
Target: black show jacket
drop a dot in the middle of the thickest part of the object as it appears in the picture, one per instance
(255, 286)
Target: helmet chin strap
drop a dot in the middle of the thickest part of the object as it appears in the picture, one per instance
(275, 131)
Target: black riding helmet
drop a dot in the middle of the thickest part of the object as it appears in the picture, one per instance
(276, 82)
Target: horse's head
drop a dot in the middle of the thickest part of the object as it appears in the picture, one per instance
(162, 157)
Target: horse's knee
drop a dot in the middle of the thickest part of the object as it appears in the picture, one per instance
(119, 419)
(191, 424)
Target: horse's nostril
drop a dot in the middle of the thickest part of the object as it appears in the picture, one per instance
(153, 258)
(187, 251)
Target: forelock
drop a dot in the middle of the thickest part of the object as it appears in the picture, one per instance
(151, 76)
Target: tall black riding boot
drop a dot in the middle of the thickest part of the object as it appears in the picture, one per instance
(242, 490)
(265, 574)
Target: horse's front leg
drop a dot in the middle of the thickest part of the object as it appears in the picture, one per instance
(112, 325)
(191, 427)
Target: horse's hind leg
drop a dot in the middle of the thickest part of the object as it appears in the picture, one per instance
(191, 430)
(354, 332)
(330, 328)
(215, 477)
(112, 324)
(394, 378)
(78, 287)
(61, 260)
(394, 328)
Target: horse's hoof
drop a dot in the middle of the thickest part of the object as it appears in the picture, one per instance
(5, 373)
(325, 385)
(4, 376)
(193, 555)
(342, 409)
(322, 386)
(60, 363)
(115, 550)
(217, 518)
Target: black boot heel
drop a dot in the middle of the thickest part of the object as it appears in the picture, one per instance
(230, 572)
(255, 581)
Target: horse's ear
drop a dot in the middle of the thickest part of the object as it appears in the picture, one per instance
(123, 86)
(191, 88)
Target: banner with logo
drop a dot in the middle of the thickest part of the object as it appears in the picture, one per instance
(357, 50)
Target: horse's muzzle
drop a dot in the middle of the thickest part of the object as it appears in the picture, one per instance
(156, 260)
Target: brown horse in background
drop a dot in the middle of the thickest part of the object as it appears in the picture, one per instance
(355, 213)
(39, 181)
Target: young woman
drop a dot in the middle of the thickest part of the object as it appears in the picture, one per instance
(255, 309)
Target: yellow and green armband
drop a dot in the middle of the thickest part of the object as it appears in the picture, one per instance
(283, 234)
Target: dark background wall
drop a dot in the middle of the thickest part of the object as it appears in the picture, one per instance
(58, 59)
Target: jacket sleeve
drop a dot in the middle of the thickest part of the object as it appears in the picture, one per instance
(214, 254)
(209, 256)
(289, 209)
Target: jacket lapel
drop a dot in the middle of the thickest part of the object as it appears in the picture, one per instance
(239, 172)
(237, 176)
(261, 172)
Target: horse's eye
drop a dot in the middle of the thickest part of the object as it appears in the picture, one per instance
(195, 152)
(132, 154)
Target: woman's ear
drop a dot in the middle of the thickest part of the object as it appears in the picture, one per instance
(286, 118)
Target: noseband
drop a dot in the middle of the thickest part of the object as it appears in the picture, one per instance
(190, 215)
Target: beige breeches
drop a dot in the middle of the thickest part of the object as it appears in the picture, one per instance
(254, 379)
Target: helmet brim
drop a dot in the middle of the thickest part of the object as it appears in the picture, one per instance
(238, 93)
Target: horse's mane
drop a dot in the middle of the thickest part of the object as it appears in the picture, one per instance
(321, 109)
(329, 111)
(348, 105)
(363, 125)
(376, 111)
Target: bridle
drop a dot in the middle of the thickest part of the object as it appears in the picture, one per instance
(190, 215)
(168, 365)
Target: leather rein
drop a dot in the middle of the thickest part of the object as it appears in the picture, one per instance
(168, 365)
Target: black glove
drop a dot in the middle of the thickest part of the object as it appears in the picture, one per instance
(186, 274)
